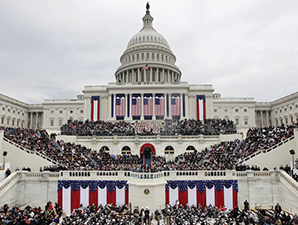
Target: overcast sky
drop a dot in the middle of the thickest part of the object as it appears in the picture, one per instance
(51, 49)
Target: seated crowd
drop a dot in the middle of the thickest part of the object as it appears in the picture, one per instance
(29, 215)
(174, 215)
(222, 156)
(166, 127)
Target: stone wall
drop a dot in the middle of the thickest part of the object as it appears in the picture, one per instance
(261, 189)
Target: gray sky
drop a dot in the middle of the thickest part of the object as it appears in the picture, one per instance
(51, 49)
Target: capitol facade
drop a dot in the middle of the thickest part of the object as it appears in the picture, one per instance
(148, 87)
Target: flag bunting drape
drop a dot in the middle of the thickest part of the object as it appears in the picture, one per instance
(218, 193)
(120, 106)
(148, 106)
(201, 107)
(136, 106)
(95, 108)
(72, 193)
(175, 106)
(159, 106)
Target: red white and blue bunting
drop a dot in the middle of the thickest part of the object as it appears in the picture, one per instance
(73, 193)
(217, 193)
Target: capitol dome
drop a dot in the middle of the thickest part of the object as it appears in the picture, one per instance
(148, 58)
(148, 35)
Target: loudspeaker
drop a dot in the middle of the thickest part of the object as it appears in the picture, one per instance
(292, 152)
(5, 153)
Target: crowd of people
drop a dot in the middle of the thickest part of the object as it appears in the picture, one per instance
(123, 215)
(260, 139)
(221, 156)
(166, 127)
(50, 214)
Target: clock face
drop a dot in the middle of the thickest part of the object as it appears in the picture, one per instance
(146, 191)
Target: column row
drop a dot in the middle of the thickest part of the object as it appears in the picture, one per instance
(150, 75)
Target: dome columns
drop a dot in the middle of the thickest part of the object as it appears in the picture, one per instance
(153, 75)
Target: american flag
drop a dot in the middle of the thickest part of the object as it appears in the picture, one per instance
(176, 106)
(136, 106)
(145, 67)
(148, 106)
(120, 106)
(159, 106)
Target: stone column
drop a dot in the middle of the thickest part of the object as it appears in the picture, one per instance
(153, 113)
(109, 106)
(262, 118)
(130, 102)
(186, 106)
(142, 114)
(41, 119)
(139, 76)
(150, 75)
(133, 79)
(126, 105)
(31, 120)
(181, 105)
(163, 76)
(36, 120)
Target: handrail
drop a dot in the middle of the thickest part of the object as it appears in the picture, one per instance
(289, 180)
(150, 137)
(4, 185)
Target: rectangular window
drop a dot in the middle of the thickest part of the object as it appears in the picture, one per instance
(152, 56)
(236, 110)
(60, 123)
(52, 111)
(51, 123)
(245, 110)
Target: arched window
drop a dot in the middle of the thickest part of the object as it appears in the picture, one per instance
(126, 150)
(190, 148)
(169, 150)
(105, 149)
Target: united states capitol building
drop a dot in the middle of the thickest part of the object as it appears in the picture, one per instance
(159, 83)
(148, 87)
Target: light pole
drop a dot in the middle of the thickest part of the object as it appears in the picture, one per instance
(292, 152)
(4, 154)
